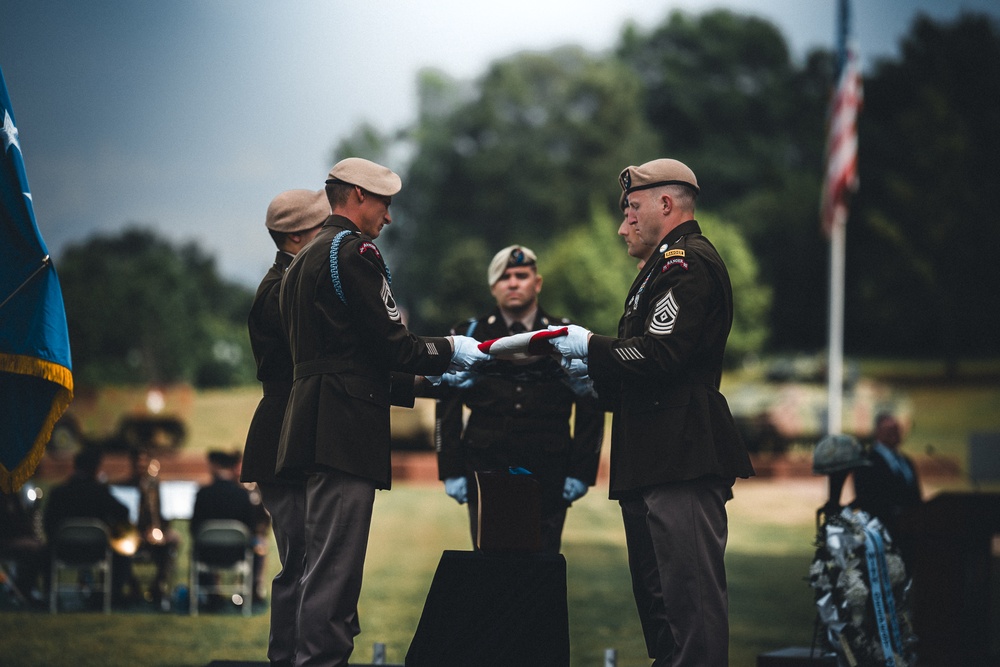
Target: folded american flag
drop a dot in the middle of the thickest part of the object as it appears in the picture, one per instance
(529, 343)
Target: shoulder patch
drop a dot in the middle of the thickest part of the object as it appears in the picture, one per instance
(676, 261)
(369, 246)
(676, 252)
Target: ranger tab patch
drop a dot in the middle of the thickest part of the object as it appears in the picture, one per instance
(368, 245)
(676, 261)
(676, 252)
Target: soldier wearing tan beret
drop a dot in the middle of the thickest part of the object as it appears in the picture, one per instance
(293, 219)
(520, 410)
(347, 337)
(675, 449)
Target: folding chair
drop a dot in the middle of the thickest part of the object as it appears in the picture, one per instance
(221, 547)
(80, 544)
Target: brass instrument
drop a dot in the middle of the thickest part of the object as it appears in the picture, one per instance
(126, 538)
(150, 489)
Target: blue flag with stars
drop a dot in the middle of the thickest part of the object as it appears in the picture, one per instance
(36, 379)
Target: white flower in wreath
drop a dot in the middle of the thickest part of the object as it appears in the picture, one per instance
(855, 590)
(897, 570)
(819, 576)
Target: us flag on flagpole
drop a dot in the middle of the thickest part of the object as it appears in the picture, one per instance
(841, 178)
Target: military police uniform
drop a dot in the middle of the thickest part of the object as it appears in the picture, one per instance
(520, 414)
(346, 336)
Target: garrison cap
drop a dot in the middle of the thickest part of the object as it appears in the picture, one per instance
(664, 171)
(367, 175)
(512, 255)
(297, 210)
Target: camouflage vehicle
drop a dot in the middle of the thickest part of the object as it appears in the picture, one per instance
(784, 403)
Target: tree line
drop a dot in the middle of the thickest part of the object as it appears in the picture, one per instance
(529, 152)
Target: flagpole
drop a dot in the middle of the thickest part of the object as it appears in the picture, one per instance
(835, 358)
(45, 262)
(837, 229)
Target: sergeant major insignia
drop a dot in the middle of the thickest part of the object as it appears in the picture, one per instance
(664, 315)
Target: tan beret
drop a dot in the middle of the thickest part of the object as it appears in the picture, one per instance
(664, 171)
(512, 255)
(297, 210)
(367, 175)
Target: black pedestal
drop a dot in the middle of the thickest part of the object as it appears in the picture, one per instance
(494, 611)
(956, 578)
(797, 656)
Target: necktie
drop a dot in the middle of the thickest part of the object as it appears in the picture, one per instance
(518, 327)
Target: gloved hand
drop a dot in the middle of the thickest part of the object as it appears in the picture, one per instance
(466, 354)
(574, 345)
(575, 368)
(460, 379)
(457, 488)
(573, 489)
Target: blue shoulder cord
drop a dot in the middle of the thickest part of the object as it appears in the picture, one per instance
(335, 267)
(334, 264)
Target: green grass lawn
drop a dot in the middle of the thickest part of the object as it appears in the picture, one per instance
(769, 554)
(770, 549)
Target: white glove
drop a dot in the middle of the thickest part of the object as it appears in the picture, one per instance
(575, 368)
(574, 345)
(460, 379)
(573, 489)
(457, 488)
(466, 353)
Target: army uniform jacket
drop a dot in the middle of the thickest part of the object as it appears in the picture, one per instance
(661, 375)
(346, 336)
(518, 407)
(274, 370)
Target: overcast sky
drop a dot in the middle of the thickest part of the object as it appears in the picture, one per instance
(189, 116)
